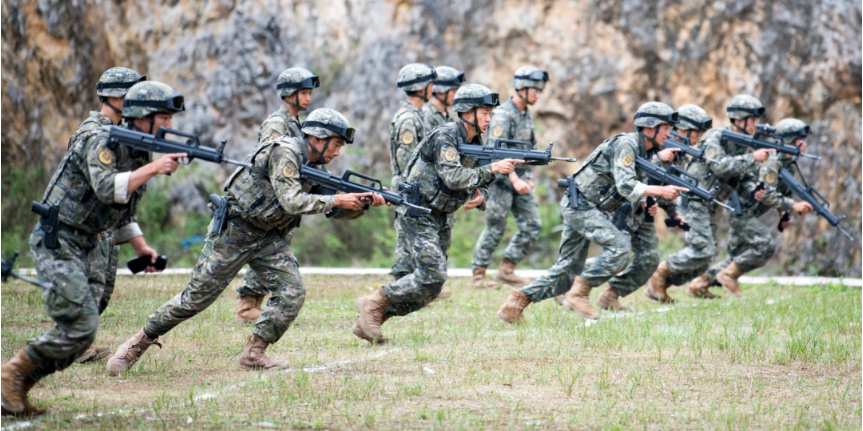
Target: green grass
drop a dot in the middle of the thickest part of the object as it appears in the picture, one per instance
(781, 358)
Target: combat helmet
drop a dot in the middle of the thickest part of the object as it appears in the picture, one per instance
(743, 106)
(416, 77)
(693, 117)
(151, 97)
(654, 114)
(326, 124)
(790, 129)
(294, 79)
(115, 82)
(528, 77)
(447, 79)
(473, 96)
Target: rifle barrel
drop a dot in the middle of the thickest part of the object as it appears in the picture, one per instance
(238, 163)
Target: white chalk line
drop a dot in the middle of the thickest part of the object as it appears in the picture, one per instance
(214, 394)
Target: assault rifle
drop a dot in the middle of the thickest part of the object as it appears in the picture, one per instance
(8, 269)
(159, 144)
(672, 177)
(334, 183)
(676, 140)
(757, 144)
(808, 194)
(485, 155)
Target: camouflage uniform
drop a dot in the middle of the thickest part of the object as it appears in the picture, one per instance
(267, 203)
(433, 117)
(407, 129)
(446, 181)
(605, 181)
(507, 122)
(281, 123)
(448, 79)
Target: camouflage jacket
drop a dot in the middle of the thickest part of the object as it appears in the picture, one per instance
(735, 169)
(433, 117)
(90, 187)
(406, 130)
(270, 195)
(446, 179)
(777, 194)
(608, 176)
(279, 123)
(507, 122)
(94, 121)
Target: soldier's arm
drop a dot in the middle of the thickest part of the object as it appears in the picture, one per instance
(273, 128)
(769, 176)
(625, 177)
(408, 132)
(109, 185)
(451, 171)
(284, 172)
(500, 127)
(728, 166)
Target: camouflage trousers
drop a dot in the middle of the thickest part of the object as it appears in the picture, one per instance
(695, 258)
(429, 237)
(581, 227)
(254, 284)
(110, 253)
(502, 200)
(268, 253)
(645, 255)
(76, 273)
(750, 244)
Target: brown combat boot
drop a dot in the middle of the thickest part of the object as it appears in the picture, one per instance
(130, 352)
(699, 288)
(506, 274)
(728, 279)
(15, 375)
(372, 313)
(559, 299)
(29, 408)
(479, 279)
(93, 354)
(512, 308)
(608, 300)
(254, 356)
(578, 299)
(249, 308)
(658, 283)
(358, 331)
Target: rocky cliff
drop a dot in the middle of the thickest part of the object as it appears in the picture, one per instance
(801, 58)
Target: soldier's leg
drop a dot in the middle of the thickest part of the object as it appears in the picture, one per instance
(276, 261)
(103, 261)
(757, 244)
(221, 259)
(402, 261)
(500, 200)
(695, 258)
(526, 213)
(645, 248)
(111, 253)
(423, 233)
(71, 303)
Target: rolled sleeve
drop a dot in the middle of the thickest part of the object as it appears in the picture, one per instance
(638, 190)
(127, 232)
(121, 187)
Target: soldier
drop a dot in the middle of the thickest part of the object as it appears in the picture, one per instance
(406, 130)
(446, 181)
(606, 180)
(265, 203)
(792, 132)
(681, 267)
(750, 244)
(514, 192)
(445, 85)
(111, 89)
(285, 121)
(96, 188)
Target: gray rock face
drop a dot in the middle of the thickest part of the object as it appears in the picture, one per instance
(801, 58)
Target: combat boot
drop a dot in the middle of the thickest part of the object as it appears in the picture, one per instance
(699, 288)
(578, 299)
(512, 308)
(560, 298)
(15, 374)
(728, 279)
(358, 331)
(93, 354)
(249, 308)
(254, 356)
(479, 279)
(506, 274)
(608, 300)
(130, 352)
(372, 312)
(29, 408)
(658, 283)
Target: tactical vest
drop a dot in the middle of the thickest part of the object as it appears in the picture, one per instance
(595, 180)
(251, 193)
(722, 189)
(71, 192)
(421, 168)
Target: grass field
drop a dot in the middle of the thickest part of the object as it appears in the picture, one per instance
(781, 358)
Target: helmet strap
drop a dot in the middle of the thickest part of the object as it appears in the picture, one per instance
(652, 139)
(518, 93)
(738, 128)
(475, 121)
(104, 101)
(443, 101)
(320, 154)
